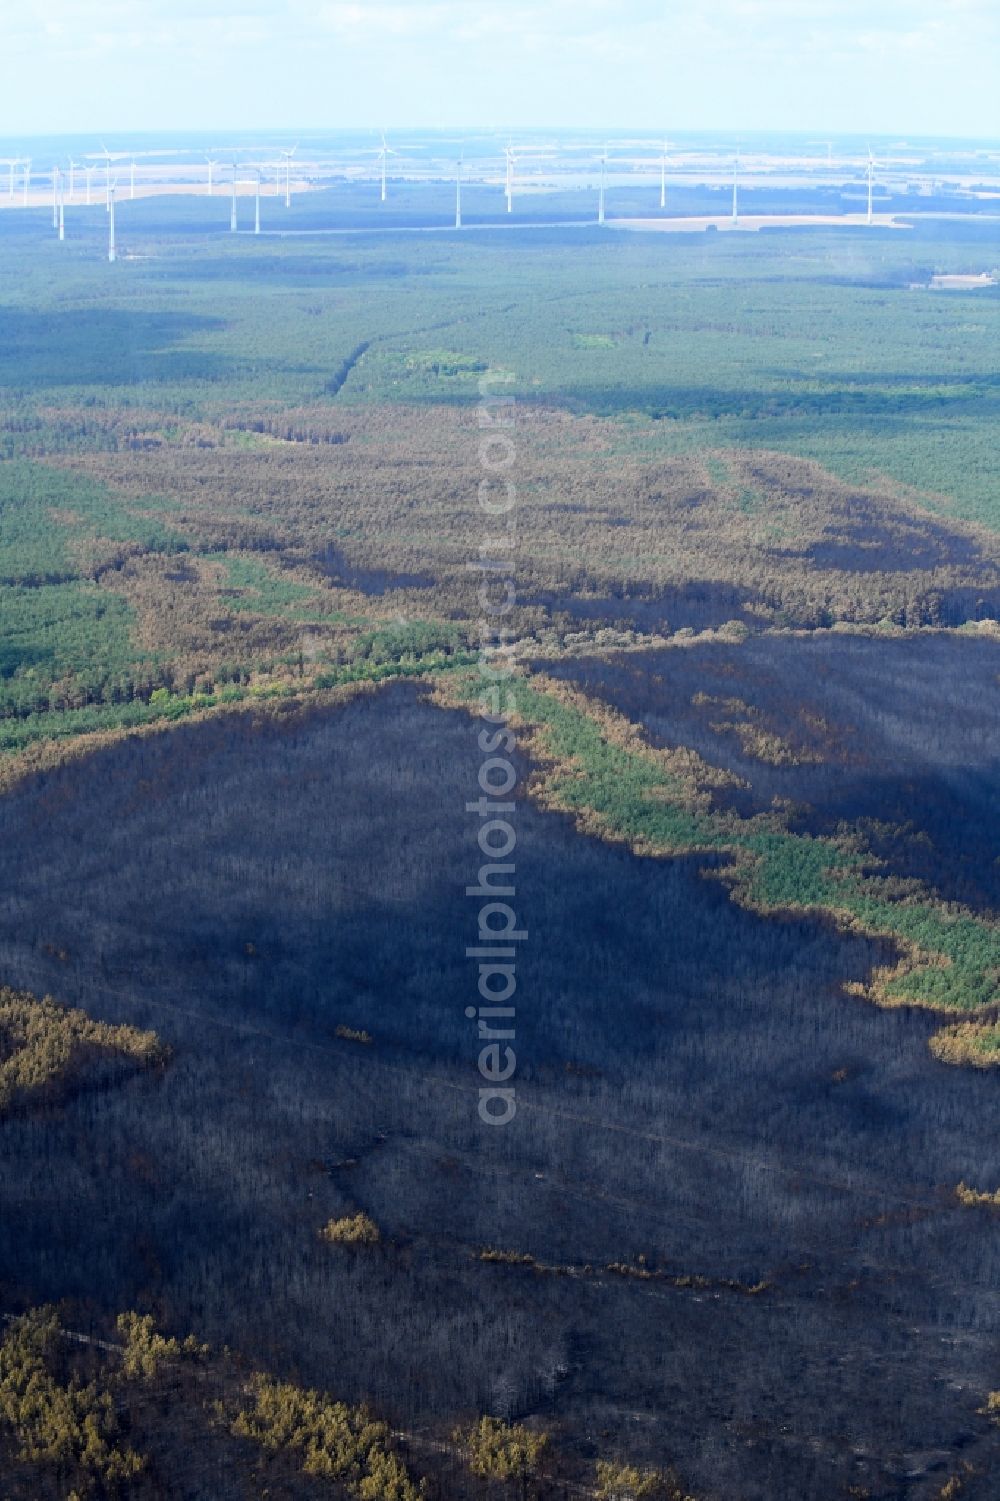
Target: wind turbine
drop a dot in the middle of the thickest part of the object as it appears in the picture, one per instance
(88, 172)
(233, 225)
(27, 182)
(871, 182)
(112, 250)
(663, 171)
(107, 178)
(384, 152)
(829, 150)
(211, 167)
(600, 196)
(736, 174)
(288, 154)
(509, 186)
(62, 211)
(55, 197)
(458, 193)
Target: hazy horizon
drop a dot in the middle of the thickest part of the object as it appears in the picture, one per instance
(626, 133)
(567, 147)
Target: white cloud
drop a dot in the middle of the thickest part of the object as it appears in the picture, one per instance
(759, 27)
(455, 61)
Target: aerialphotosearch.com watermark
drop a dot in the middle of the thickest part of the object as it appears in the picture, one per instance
(498, 931)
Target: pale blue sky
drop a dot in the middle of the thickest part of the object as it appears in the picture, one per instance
(866, 66)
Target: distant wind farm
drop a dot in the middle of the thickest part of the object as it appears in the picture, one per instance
(522, 178)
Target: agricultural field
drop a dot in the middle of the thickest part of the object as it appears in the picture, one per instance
(742, 1232)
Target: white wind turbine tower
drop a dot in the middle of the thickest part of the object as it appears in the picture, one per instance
(233, 223)
(509, 185)
(663, 175)
(212, 164)
(55, 197)
(88, 173)
(871, 182)
(384, 152)
(62, 210)
(26, 184)
(288, 154)
(736, 174)
(112, 249)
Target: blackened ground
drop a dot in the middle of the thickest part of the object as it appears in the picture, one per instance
(701, 605)
(376, 581)
(899, 732)
(694, 1087)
